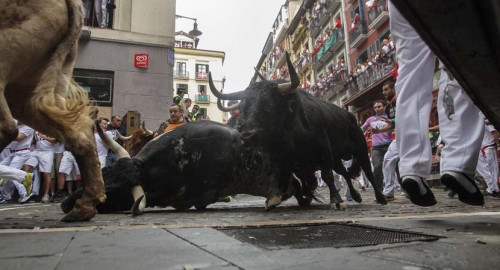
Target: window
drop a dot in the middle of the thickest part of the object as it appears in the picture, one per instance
(180, 70)
(184, 86)
(202, 89)
(107, 14)
(98, 84)
(202, 71)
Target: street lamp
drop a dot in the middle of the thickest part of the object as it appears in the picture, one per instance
(195, 32)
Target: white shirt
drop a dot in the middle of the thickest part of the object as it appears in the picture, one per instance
(26, 142)
(58, 148)
(488, 138)
(41, 144)
(102, 150)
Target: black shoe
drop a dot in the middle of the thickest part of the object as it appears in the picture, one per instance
(412, 189)
(58, 197)
(494, 195)
(451, 194)
(464, 196)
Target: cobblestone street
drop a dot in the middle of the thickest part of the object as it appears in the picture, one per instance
(245, 210)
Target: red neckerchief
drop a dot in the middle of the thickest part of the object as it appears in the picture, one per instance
(389, 102)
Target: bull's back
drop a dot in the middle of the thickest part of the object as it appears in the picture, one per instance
(199, 152)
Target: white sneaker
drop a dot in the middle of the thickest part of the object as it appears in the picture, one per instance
(46, 199)
(25, 198)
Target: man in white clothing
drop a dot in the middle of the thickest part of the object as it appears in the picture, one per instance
(460, 124)
(102, 149)
(487, 165)
(19, 154)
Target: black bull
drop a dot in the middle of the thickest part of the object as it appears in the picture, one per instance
(301, 133)
(192, 165)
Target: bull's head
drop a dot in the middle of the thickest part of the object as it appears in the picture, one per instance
(122, 183)
(266, 106)
(139, 138)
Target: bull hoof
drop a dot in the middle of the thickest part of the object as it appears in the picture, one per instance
(272, 203)
(304, 201)
(381, 199)
(356, 197)
(338, 206)
(77, 215)
(200, 207)
(67, 205)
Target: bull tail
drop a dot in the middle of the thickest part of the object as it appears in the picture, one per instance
(57, 96)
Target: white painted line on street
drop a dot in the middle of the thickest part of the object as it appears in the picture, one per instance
(17, 207)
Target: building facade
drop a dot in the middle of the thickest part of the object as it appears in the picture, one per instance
(126, 57)
(191, 73)
(341, 50)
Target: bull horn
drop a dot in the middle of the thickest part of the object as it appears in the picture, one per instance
(284, 88)
(148, 132)
(114, 146)
(139, 201)
(224, 96)
(227, 109)
(123, 138)
(262, 78)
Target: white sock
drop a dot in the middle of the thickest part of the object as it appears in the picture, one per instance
(462, 180)
(417, 179)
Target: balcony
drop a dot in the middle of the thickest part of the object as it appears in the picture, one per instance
(202, 98)
(357, 36)
(281, 60)
(282, 32)
(181, 74)
(375, 73)
(378, 14)
(330, 85)
(314, 28)
(203, 76)
(332, 5)
(323, 17)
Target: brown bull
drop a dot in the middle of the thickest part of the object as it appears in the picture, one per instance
(39, 40)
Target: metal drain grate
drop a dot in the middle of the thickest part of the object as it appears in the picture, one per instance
(317, 236)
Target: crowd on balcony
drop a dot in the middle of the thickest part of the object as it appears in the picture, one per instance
(335, 32)
(374, 7)
(184, 44)
(336, 74)
(375, 67)
(303, 60)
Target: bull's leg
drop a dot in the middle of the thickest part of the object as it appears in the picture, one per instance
(8, 128)
(304, 188)
(339, 168)
(369, 174)
(84, 150)
(336, 201)
(69, 202)
(81, 144)
(279, 178)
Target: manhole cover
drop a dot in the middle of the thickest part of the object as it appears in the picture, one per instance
(317, 236)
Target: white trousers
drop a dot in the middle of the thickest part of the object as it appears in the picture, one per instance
(462, 134)
(10, 173)
(391, 159)
(487, 166)
(15, 161)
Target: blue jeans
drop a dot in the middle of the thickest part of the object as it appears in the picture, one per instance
(111, 158)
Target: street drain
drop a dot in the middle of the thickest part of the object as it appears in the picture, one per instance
(317, 236)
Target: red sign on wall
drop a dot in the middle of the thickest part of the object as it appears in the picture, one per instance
(141, 60)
